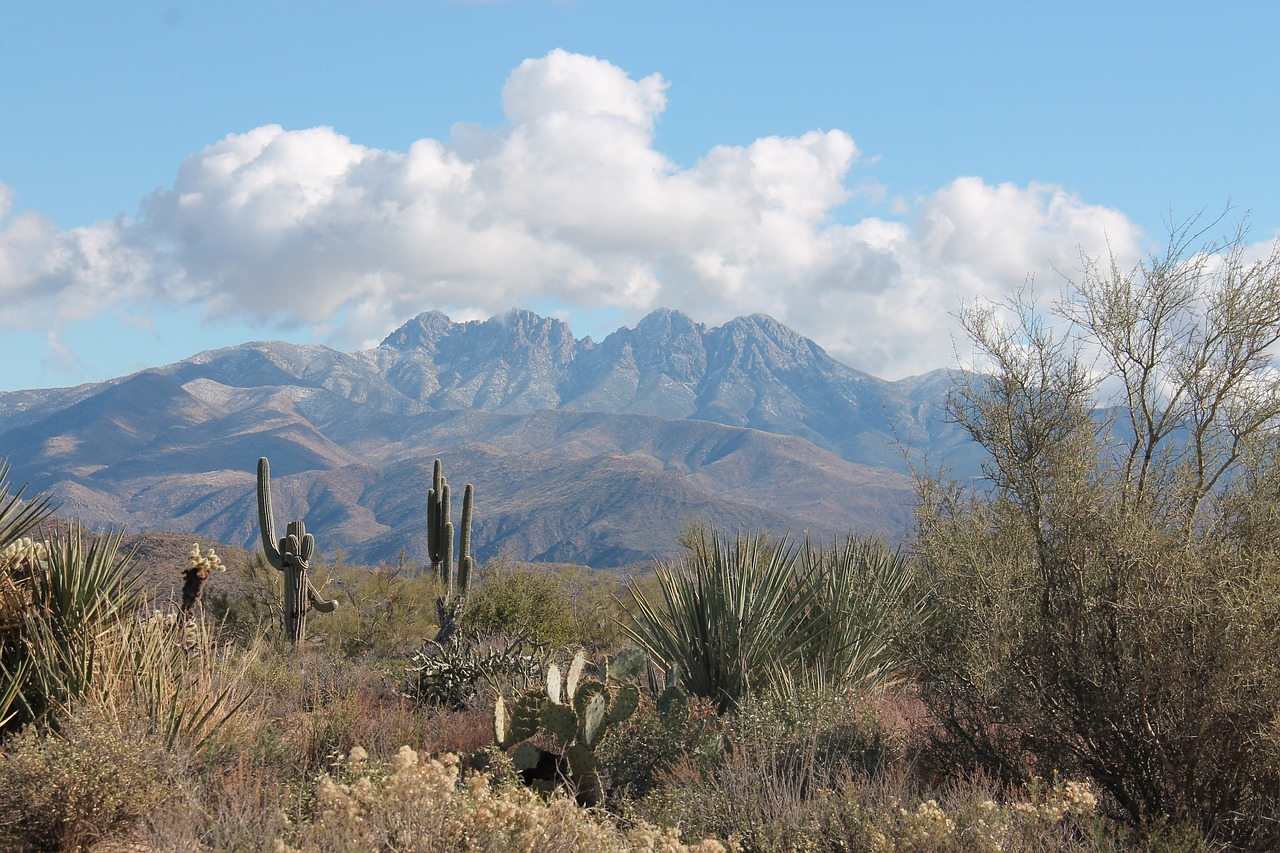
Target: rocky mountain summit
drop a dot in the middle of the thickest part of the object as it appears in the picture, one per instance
(582, 451)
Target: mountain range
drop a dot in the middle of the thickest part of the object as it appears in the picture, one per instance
(580, 451)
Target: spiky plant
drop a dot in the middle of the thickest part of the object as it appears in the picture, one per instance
(75, 596)
(732, 612)
(574, 712)
(865, 594)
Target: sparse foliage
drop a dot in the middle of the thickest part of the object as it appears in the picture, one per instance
(1106, 605)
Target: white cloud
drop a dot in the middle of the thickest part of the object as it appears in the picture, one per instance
(568, 204)
(569, 83)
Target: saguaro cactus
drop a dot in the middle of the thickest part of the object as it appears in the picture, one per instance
(291, 556)
(440, 533)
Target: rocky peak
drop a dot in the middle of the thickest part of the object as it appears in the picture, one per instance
(760, 344)
(422, 332)
(524, 333)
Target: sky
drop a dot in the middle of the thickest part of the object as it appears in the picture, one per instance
(181, 176)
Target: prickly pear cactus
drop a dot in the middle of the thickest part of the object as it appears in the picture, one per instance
(562, 722)
(577, 712)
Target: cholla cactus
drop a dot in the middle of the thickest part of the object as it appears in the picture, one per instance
(24, 552)
(18, 561)
(202, 565)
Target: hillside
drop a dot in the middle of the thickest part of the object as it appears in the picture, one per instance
(580, 451)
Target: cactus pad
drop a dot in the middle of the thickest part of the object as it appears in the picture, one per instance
(561, 721)
(627, 664)
(526, 716)
(526, 756)
(499, 720)
(553, 684)
(624, 703)
(582, 761)
(592, 718)
(575, 673)
(673, 701)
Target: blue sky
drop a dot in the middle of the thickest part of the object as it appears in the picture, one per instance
(181, 176)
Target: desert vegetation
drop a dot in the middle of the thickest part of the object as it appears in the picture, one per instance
(1078, 653)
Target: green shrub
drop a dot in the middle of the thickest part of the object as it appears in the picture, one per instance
(650, 743)
(520, 602)
(1107, 608)
(384, 611)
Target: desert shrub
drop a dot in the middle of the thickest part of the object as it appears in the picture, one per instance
(237, 806)
(593, 596)
(1055, 816)
(89, 781)
(1107, 606)
(383, 613)
(650, 742)
(521, 602)
(787, 757)
(254, 604)
(413, 803)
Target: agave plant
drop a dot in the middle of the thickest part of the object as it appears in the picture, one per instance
(732, 614)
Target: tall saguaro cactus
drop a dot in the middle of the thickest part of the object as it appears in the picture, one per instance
(440, 534)
(291, 556)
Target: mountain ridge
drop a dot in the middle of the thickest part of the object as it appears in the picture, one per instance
(743, 424)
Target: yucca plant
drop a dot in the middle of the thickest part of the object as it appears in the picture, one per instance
(74, 596)
(18, 517)
(733, 614)
(185, 692)
(864, 594)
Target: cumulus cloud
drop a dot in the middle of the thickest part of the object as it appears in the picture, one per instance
(570, 204)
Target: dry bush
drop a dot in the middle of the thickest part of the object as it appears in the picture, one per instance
(1106, 602)
(90, 781)
(785, 755)
(419, 805)
(241, 806)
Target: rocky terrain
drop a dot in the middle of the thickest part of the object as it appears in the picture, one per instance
(580, 451)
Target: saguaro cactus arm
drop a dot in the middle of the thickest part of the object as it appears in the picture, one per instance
(318, 603)
(266, 517)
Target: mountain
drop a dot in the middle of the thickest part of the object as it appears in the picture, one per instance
(580, 451)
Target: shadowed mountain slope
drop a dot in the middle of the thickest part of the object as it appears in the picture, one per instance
(580, 451)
